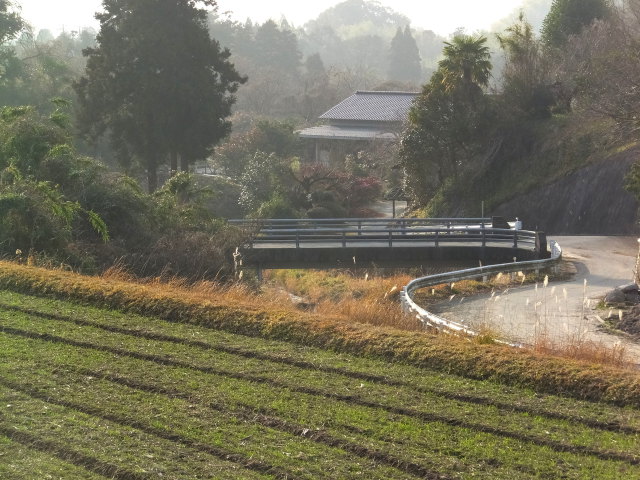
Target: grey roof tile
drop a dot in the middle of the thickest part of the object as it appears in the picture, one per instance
(373, 106)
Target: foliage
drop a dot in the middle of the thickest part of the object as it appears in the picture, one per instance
(181, 206)
(632, 180)
(156, 82)
(450, 121)
(39, 173)
(569, 17)
(404, 58)
(11, 24)
(278, 206)
(268, 136)
(261, 178)
(276, 48)
(466, 62)
(525, 87)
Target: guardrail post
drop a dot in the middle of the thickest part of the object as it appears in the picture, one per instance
(297, 239)
(344, 239)
(515, 239)
(390, 238)
(484, 243)
(541, 245)
(359, 227)
(437, 239)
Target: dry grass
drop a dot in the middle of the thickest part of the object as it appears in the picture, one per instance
(578, 348)
(205, 306)
(355, 297)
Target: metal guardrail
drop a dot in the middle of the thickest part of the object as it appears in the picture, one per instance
(293, 223)
(350, 232)
(430, 319)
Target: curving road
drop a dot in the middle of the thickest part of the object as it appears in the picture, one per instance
(562, 312)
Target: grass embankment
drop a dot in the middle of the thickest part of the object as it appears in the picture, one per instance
(236, 312)
(92, 393)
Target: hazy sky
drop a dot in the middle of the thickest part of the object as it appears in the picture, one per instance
(441, 16)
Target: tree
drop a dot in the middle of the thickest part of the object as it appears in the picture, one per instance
(277, 48)
(404, 58)
(602, 65)
(157, 83)
(10, 22)
(466, 61)
(569, 17)
(10, 67)
(450, 121)
(525, 75)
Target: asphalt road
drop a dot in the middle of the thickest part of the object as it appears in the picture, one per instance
(562, 312)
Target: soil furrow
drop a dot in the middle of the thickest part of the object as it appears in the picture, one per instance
(481, 401)
(350, 399)
(249, 414)
(248, 463)
(64, 453)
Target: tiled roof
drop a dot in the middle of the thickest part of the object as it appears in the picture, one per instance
(345, 133)
(373, 107)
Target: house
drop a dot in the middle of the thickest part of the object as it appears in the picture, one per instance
(358, 122)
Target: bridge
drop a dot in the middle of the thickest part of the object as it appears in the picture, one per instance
(384, 242)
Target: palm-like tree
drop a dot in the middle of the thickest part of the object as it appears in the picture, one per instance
(466, 60)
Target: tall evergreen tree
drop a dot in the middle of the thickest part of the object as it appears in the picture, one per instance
(569, 17)
(156, 82)
(404, 58)
(277, 47)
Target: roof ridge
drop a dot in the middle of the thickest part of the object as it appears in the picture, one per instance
(387, 92)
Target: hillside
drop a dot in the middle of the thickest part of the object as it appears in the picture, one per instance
(564, 175)
(210, 390)
(590, 200)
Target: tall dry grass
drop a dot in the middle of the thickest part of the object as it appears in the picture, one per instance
(360, 296)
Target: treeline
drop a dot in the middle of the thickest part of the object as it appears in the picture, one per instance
(565, 94)
(148, 105)
(299, 73)
(60, 206)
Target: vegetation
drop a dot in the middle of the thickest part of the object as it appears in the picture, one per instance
(404, 63)
(569, 17)
(157, 83)
(450, 121)
(205, 387)
(565, 100)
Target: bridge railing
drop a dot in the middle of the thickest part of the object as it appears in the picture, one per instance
(357, 223)
(301, 237)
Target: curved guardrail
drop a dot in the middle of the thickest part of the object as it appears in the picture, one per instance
(430, 319)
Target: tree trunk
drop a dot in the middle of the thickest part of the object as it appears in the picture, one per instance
(152, 178)
(184, 163)
(174, 162)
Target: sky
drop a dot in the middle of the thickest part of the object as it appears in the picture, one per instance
(441, 16)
